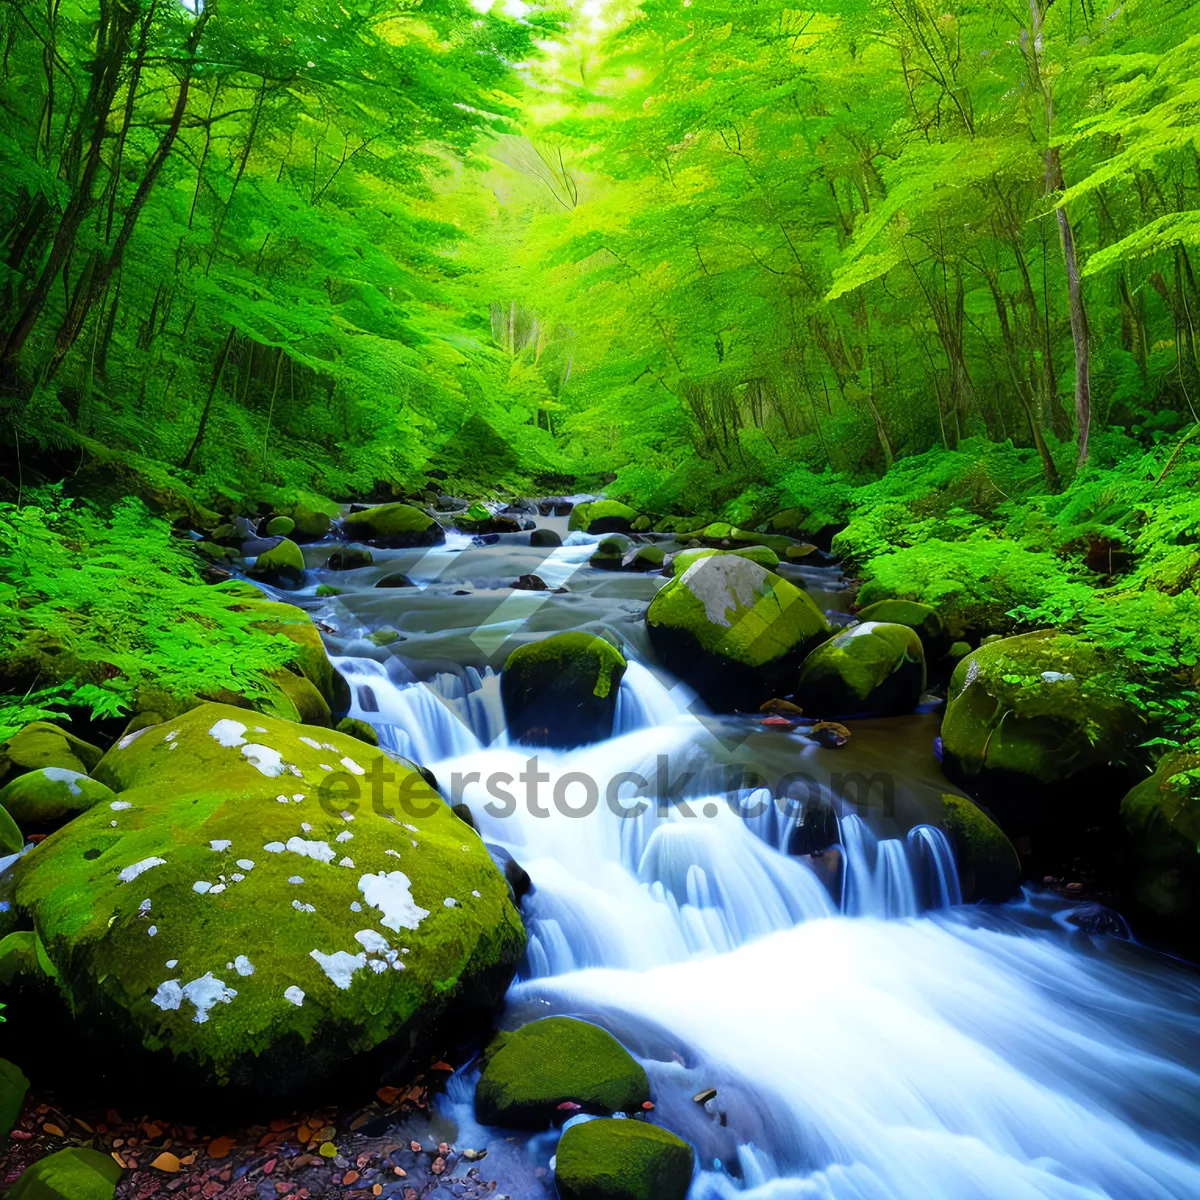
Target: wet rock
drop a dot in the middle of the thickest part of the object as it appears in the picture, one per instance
(815, 832)
(546, 538)
(562, 690)
(515, 874)
(45, 799)
(734, 631)
(1099, 921)
(302, 976)
(622, 1160)
(280, 566)
(349, 558)
(528, 1073)
(327, 589)
(920, 618)
(395, 525)
(478, 519)
(829, 734)
(531, 583)
(41, 744)
(609, 555)
(385, 636)
(359, 729)
(394, 579)
(602, 516)
(868, 668)
(278, 526)
(781, 708)
(988, 866)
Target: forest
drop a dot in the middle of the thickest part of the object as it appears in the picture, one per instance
(456, 377)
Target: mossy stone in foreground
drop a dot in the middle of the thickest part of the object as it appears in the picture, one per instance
(394, 525)
(988, 866)
(763, 555)
(47, 797)
(282, 564)
(533, 1070)
(920, 617)
(602, 516)
(868, 668)
(250, 932)
(734, 630)
(622, 1160)
(41, 744)
(562, 690)
(1029, 720)
(76, 1173)
(1161, 815)
(13, 1086)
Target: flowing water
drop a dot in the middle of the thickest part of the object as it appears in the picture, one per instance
(868, 1035)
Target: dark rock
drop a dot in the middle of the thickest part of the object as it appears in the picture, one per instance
(531, 583)
(545, 537)
(349, 558)
(395, 579)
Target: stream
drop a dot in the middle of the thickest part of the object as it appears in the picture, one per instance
(867, 1034)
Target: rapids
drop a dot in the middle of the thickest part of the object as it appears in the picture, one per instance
(869, 1036)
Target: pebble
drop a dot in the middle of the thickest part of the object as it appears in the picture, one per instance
(705, 1096)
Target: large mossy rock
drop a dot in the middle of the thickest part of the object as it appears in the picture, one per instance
(602, 516)
(609, 555)
(251, 929)
(921, 618)
(281, 566)
(75, 1173)
(13, 1086)
(395, 525)
(1161, 816)
(530, 1072)
(1035, 724)
(479, 519)
(41, 744)
(988, 866)
(763, 555)
(562, 690)
(733, 630)
(868, 668)
(311, 524)
(622, 1160)
(45, 798)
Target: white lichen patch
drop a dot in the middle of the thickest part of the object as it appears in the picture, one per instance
(449, 902)
(320, 851)
(242, 965)
(312, 742)
(220, 844)
(475, 892)
(120, 805)
(247, 864)
(130, 873)
(340, 966)
(299, 906)
(352, 766)
(295, 879)
(70, 778)
(372, 941)
(274, 847)
(153, 931)
(344, 836)
(205, 993)
(345, 862)
(390, 893)
(725, 582)
(202, 886)
(1058, 677)
(294, 995)
(172, 963)
(266, 761)
(130, 738)
(228, 732)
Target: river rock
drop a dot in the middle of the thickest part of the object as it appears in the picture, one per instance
(988, 866)
(1034, 724)
(733, 630)
(281, 566)
(277, 526)
(869, 668)
(358, 729)
(546, 538)
(530, 1072)
(478, 519)
(920, 618)
(609, 555)
(349, 558)
(394, 579)
(763, 555)
(622, 1160)
(76, 1173)
(602, 516)
(41, 744)
(394, 525)
(43, 799)
(310, 524)
(245, 929)
(562, 690)
(1161, 816)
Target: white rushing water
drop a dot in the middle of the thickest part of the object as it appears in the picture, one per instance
(886, 1042)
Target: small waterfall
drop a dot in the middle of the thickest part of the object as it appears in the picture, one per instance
(891, 877)
(643, 702)
(933, 855)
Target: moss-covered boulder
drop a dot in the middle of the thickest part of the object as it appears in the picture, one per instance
(310, 523)
(609, 555)
(20, 957)
(281, 566)
(359, 729)
(868, 668)
(76, 1173)
(13, 1086)
(530, 1072)
(733, 630)
(562, 690)
(602, 516)
(622, 1160)
(255, 910)
(394, 525)
(41, 744)
(10, 834)
(763, 555)
(988, 866)
(278, 527)
(643, 524)
(1161, 816)
(349, 558)
(480, 519)
(921, 618)
(43, 799)
(645, 558)
(1035, 724)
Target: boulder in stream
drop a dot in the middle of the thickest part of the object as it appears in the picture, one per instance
(872, 667)
(349, 558)
(921, 618)
(602, 516)
(394, 525)
(622, 1160)
(562, 690)
(282, 565)
(988, 866)
(264, 902)
(763, 555)
(528, 1073)
(734, 630)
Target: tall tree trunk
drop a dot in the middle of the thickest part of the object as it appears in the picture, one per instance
(218, 372)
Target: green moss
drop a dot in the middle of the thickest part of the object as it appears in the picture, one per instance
(870, 667)
(763, 555)
(18, 957)
(648, 558)
(622, 1160)
(602, 516)
(349, 558)
(198, 811)
(280, 527)
(13, 1086)
(988, 866)
(76, 1173)
(609, 554)
(312, 521)
(49, 796)
(533, 1070)
(1161, 816)
(920, 617)
(385, 636)
(284, 562)
(327, 589)
(641, 525)
(358, 729)
(395, 524)
(39, 745)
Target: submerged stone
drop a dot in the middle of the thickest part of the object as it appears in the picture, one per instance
(622, 1160)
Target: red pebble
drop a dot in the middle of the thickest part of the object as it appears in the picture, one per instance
(778, 722)
(569, 1106)
(22, 1135)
